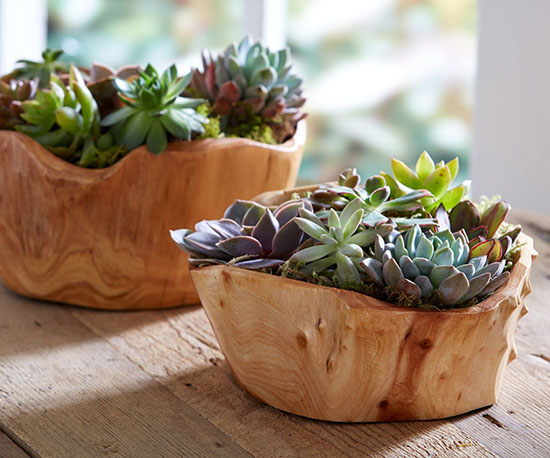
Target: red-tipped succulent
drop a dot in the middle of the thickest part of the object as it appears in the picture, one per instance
(249, 79)
(484, 228)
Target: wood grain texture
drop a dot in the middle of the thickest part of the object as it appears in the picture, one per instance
(99, 238)
(66, 393)
(403, 364)
(8, 449)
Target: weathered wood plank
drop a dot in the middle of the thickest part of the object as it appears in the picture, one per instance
(9, 449)
(180, 351)
(157, 367)
(66, 393)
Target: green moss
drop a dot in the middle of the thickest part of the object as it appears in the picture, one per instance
(95, 158)
(254, 128)
(387, 294)
(213, 128)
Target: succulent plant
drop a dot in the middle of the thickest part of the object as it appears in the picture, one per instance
(340, 242)
(42, 70)
(482, 228)
(439, 266)
(62, 117)
(153, 109)
(101, 83)
(436, 178)
(249, 235)
(12, 93)
(99, 72)
(248, 79)
(374, 197)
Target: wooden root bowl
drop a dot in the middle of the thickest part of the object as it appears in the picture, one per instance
(337, 355)
(100, 238)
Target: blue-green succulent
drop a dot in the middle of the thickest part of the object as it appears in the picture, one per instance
(438, 266)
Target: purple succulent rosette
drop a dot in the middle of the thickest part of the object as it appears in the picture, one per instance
(249, 235)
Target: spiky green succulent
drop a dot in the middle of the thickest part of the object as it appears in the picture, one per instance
(154, 110)
(50, 64)
(12, 93)
(340, 243)
(438, 267)
(248, 79)
(249, 235)
(436, 178)
(375, 198)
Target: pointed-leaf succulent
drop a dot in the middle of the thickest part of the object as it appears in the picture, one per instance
(340, 243)
(436, 178)
(50, 64)
(62, 118)
(154, 109)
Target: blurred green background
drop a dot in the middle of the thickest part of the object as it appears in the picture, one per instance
(383, 77)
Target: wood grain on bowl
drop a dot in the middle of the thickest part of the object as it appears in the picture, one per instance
(338, 355)
(100, 238)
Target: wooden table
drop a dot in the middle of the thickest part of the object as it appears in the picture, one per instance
(80, 383)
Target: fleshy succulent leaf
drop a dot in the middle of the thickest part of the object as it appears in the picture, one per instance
(237, 210)
(391, 271)
(493, 217)
(373, 268)
(265, 230)
(495, 283)
(312, 253)
(424, 166)
(438, 181)
(452, 289)
(241, 245)
(405, 175)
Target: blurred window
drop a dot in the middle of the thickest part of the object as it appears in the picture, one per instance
(383, 77)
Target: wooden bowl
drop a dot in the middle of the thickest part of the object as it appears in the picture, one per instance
(337, 355)
(100, 238)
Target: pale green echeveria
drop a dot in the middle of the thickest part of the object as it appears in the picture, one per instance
(340, 243)
(436, 178)
(420, 265)
(249, 235)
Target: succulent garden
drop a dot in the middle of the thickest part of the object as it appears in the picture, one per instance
(409, 237)
(94, 116)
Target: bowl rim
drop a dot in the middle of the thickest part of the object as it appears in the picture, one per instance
(355, 300)
(193, 148)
